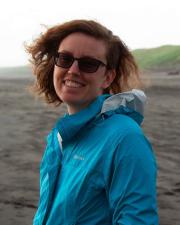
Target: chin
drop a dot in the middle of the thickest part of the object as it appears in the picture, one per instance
(72, 101)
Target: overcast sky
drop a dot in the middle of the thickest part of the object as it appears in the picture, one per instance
(139, 23)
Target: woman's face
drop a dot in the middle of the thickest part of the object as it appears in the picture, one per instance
(77, 88)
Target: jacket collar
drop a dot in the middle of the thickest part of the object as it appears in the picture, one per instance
(69, 125)
(129, 103)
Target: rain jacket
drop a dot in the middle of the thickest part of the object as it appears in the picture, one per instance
(98, 168)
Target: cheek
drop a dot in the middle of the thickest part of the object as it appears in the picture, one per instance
(55, 81)
(96, 79)
(99, 82)
(57, 76)
(56, 73)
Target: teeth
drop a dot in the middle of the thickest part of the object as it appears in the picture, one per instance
(71, 83)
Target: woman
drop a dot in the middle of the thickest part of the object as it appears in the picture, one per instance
(98, 168)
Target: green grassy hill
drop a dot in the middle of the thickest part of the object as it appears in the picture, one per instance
(164, 58)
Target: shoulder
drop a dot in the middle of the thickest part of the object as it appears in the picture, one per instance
(121, 135)
(127, 138)
(132, 150)
(120, 125)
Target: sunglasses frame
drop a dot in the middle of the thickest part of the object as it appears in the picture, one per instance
(79, 60)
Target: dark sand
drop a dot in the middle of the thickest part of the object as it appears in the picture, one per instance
(26, 121)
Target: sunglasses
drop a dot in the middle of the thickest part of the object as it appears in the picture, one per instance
(85, 64)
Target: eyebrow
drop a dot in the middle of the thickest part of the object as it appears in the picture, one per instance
(83, 56)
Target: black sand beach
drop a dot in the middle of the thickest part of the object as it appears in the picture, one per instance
(25, 121)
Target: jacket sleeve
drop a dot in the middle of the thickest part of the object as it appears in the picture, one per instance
(132, 184)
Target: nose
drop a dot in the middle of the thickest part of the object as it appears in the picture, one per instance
(74, 69)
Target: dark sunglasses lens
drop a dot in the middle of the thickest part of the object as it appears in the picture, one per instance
(88, 65)
(63, 60)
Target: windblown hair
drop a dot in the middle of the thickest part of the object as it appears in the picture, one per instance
(119, 58)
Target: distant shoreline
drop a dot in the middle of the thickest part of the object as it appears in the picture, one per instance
(11, 77)
(15, 77)
(23, 72)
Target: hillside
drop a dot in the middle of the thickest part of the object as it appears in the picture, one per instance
(164, 58)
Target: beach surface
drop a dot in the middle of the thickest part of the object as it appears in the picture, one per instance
(25, 122)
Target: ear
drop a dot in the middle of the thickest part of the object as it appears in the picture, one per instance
(109, 77)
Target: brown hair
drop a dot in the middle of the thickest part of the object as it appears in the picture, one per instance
(119, 58)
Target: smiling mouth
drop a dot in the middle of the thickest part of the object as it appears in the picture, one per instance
(73, 84)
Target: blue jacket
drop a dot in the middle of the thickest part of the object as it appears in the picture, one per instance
(98, 168)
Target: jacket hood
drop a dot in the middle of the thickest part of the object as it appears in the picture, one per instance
(129, 103)
(134, 100)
